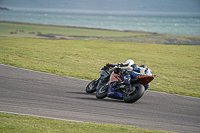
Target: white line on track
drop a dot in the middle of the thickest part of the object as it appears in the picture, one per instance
(39, 116)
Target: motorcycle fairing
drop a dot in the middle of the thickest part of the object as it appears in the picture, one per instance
(113, 94)
(145, 79)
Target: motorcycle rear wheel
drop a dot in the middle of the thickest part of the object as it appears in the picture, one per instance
(102, 92)
(91, 87)
(136, 95)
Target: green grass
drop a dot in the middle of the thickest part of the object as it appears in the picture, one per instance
(26, 124)
(176, 66)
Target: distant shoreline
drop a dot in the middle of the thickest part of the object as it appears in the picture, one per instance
(76, 27)
(133, 36)
(92, 28)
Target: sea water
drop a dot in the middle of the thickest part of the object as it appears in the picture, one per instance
(170, 23)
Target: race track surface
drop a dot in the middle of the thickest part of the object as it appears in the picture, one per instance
(35, 93)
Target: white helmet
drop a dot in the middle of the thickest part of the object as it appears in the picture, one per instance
(130, 62)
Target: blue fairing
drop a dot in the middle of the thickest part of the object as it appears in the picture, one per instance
(147, 86)
(113, 94)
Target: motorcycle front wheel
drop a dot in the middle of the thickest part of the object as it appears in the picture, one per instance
(102, 92)
(91, 87)
(137, 92)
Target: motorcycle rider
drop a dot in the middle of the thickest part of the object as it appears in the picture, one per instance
(134, 70)
(105, 73)
(115, 76)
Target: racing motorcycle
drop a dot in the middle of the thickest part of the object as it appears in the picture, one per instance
(105, 73)
(130, 90)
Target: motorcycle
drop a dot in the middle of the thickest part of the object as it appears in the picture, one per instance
(130, 90)
(105, 73)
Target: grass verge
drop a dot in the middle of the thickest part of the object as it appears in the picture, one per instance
(10, 123)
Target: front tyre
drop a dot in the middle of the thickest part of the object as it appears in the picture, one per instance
(102, 92)
(135, 95)
(91, 87)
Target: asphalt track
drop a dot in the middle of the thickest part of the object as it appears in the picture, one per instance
(40, 94)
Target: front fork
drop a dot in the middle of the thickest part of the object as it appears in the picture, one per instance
(96, 82)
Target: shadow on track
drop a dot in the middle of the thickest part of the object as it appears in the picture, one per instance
(82, 93)
(93, 98)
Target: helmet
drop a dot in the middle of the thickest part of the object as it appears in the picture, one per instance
(143, 66)
(130, 62)
(134, 66)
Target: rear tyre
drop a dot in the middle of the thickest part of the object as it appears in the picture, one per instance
(91, 87)
(102, 92)
(135, 95)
